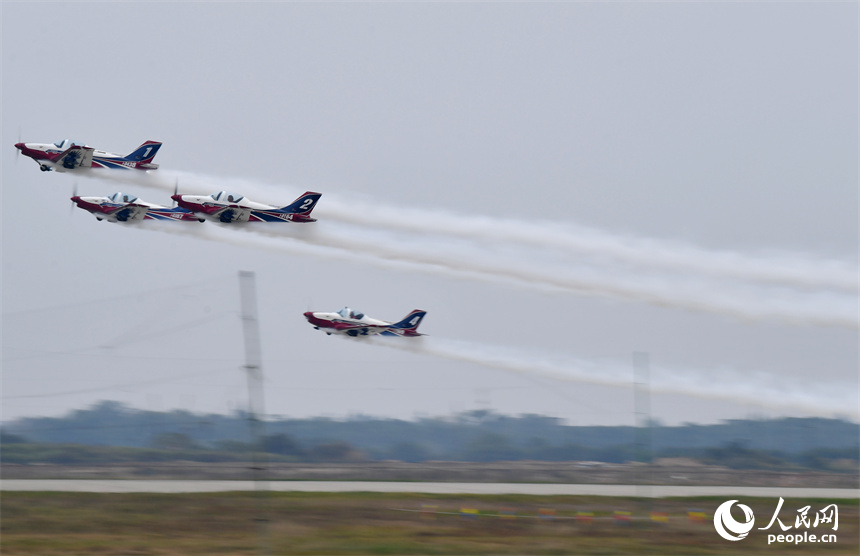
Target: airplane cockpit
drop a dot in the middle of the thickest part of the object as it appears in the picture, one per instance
(122, 198)
(348, 313)
(64, 144)
(226, 197)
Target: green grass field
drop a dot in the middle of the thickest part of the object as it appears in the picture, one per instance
(365, 523)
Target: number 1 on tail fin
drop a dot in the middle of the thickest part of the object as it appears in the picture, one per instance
(144, 153)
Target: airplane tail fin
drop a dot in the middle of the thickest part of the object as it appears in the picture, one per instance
(301, 208)
(144, 153)
(409, 325)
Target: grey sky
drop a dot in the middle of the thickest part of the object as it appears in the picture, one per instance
(714, 127)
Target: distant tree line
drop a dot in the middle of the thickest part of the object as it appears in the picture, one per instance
(111, 432)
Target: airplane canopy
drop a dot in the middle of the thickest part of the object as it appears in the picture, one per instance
(348, 313)
(119, 197)
(64, 144)
(226, 197)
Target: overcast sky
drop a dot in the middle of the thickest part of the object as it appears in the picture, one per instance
(559, 185)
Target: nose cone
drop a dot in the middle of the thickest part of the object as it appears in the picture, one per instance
(76, 199)
(19, 146)
(315, 320)
(176, 198)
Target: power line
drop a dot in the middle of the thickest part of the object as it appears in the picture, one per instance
(118, 297)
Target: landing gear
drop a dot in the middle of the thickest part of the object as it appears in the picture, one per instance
(44, 168)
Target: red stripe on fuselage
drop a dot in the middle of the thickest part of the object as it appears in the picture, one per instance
(95, 207)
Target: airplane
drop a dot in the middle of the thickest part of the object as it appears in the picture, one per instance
(65, 155)
(229, 207)
(354, 323)
(122, 207)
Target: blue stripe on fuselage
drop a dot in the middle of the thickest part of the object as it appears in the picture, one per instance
(110, 163)
(268, 216)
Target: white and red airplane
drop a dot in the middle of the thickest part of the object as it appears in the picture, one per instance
(229, 207)
(122, 207)
(354, 323)
(65, 155)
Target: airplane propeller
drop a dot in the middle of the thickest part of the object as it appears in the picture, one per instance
(74, 194)
(175, 191)
(17, 150)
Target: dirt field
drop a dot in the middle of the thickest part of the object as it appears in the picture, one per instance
(361, 523)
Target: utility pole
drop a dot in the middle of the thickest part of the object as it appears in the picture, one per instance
(254, 371)
(642, 404)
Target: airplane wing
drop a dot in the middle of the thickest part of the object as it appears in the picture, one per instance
(362, 329)
(354, 327)
(76, 157)
(129, 213)
(374, 329)
(233, 214)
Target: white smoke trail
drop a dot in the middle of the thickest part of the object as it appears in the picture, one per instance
(795, 270)
(270, 241)
(583, 242)
(465, 261)
(545, 266)
(721, 384)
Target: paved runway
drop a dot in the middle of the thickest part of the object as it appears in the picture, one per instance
(650, 491)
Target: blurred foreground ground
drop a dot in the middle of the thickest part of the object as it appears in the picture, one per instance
(362, 523)
(663, 472)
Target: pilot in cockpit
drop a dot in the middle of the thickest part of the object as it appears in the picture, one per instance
(226, 196)
(119, 197)
(348, 313)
